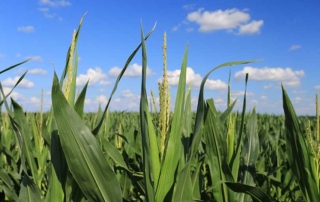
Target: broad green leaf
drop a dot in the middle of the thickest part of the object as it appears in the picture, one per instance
(29, 191)
(301, 162)
(26, 137)
(250, 152)
(113, 152)
(58, 170)
(183, 189)
(95, 178)
(216, 149)
(256, 193)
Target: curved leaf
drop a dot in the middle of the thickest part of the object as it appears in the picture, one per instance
(84, 157)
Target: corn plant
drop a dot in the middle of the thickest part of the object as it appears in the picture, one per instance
(66, 154)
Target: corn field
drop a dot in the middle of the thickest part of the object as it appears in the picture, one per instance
(155, 155)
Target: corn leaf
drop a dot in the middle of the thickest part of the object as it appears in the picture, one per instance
(174, 146)
(97, 127)
(300, 160)
(95, 178)
(79, 106)
(29, 191)
(256, 193)
(147, 134)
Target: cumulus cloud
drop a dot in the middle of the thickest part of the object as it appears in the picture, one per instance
(51, 3)
(295, 47)
(251, 28)
(35, 58)
(263, 97)
(297, 100)
(102, 99)
(241, 93)
(225, 19)
(27, 29)
(93, 75)
(2, 55)
(126, 93)
(285, 75)
(317, 87)
(35, 100)
(14, 95)
(134, 70)
(23, 84)
(37, 71)
(104, 83)
(196, 79)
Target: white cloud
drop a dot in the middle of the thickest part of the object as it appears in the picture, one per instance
(241, 93)
(104, 83)
(2, 55)
(95, 75)
(254, 102)
(35, 58)
(263, 97)
(14, 95)
(46, 13)
(317, 87)
(297, 100)
(127, 93)
(251, 28)
(18, 55)
(23, 84)
(295, 47)
(267, 86)
(300, 91)
(196, 79)
(27, 29)
(134, 70)
(188, 7)
(37, 71)
(87, 101)
(35, 100)
(117, 100)
(285, 75)
(61, 3)
(225, 19)
(102, 100)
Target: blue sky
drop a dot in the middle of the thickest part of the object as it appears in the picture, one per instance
(284, 33)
